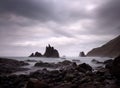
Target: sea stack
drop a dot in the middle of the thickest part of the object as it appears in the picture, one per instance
(51, 52)
(82, 54)
(37, 54)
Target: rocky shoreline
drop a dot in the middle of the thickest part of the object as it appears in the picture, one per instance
(70, 75)
(8, 66)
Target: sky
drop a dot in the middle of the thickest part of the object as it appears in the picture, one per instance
(70, 26)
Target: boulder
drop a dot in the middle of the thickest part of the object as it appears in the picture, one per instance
(84, 68)
(115, 69)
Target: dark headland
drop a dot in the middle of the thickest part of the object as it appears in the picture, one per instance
(110, 49)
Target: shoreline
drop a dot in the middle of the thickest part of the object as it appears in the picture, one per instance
(70, 75)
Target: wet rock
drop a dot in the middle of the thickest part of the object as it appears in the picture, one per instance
(65, 85)
(45, 64)
(35, 83)
(64, 63)
(31, 60)
(84, 68)
(96, 61)
(13, 81)
(75, 60)
(108, 63)
(115, 70)
(8, 66)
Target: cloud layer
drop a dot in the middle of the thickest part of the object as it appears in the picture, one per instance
(70, 25)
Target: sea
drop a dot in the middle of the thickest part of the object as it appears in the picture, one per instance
(78, 60)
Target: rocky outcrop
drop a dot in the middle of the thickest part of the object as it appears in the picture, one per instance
(37, 54)
(115, 68)
(82, 54)
(49, 52)
(110, 49)
(8, 66)
(77, 76)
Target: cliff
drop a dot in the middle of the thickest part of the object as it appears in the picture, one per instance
(110, 49)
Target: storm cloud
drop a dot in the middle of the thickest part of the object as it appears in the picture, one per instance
(70, 25)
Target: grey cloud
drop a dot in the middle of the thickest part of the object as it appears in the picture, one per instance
(19, 17)
(42, 10)
(27, 8)
(108, 16)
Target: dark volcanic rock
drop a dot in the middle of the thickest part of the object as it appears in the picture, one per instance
(108, 63)
(84, 67)
(51, 52)
(45, 64)
(64, 63)
(110, 49)
(82, 54)
(35, 83)
(115, 70)
(8, 66)
(79, 76)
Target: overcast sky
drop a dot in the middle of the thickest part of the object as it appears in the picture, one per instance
(70, 26)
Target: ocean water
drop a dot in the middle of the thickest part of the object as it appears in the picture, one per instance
(78, 60)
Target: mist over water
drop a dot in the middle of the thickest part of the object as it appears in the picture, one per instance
(78, 60)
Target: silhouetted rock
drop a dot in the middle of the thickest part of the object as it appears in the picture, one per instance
(37, 54)
(110, 49)
(82, 54)
(51, 52)
(32, 55)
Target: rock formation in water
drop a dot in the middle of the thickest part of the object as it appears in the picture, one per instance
(110, 49)
(49, 52)
(82, 54)
(37, 54)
